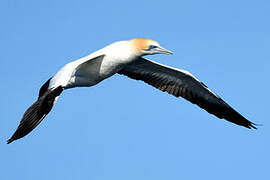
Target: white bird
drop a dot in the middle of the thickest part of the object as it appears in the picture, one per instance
(126, 57)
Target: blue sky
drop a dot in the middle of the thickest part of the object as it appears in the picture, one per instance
(123, 129)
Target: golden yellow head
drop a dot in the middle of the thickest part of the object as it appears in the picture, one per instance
(143, 44)
(148, 46)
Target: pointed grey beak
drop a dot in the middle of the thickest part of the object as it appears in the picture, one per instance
(162, 50)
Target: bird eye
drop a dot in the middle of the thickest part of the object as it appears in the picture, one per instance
(152, 46)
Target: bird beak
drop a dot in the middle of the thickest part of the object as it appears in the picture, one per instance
(162, 50)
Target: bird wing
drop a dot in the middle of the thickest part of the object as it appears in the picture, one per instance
(89, 67)
(49, 93)
(36, 113)
(181, 83)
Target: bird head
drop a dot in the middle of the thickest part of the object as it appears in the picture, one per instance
(147, 47)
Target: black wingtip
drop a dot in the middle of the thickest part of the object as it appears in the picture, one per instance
(10, 140)
(253, 125)
(36, 113)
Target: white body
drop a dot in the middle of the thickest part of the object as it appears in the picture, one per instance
(112, 62)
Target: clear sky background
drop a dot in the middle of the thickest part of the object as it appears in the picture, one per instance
(122, 129)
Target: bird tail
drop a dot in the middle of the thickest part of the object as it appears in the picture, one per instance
(36, 113)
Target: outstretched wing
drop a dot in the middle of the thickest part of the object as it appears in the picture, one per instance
(181, 83)
(36, 113)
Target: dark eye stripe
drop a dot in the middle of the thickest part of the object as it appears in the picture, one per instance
(152, 46)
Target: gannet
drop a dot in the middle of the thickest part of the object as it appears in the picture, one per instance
(126, 58)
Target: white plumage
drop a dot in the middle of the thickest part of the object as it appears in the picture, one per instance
(92, 74)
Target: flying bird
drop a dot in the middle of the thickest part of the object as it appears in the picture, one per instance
(126, 58)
